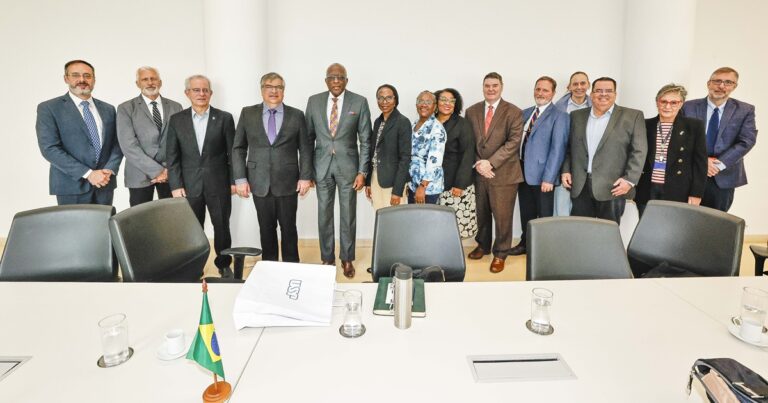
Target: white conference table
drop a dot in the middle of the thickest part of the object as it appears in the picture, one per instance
(56, 324)
(625, 340)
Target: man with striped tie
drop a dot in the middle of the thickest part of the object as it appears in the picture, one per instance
(141, 127)
(76, 134)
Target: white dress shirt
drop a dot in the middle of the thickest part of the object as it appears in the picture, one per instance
(595, 129)
(200, 123)
(159, 106)
(329, 107)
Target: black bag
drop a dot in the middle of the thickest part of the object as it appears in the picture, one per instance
(430, 274)
(725, 379)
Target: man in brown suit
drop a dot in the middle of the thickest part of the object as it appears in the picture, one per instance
(498, 127)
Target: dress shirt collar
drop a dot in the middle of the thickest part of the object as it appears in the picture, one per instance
(149, 102)
(77, 100)
(495, 105)
(340, 97)
(278, 108)
(711, 106)
(581, 105)
(203, 116)
(609, 112)
(542, 108)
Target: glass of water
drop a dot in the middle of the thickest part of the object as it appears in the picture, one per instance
(541, 300)
(114, 339)
(754, 303)
(353, 317)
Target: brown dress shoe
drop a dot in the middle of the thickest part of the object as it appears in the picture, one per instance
(477, 253)
(328, 262)
(349, 269)
(497, 265)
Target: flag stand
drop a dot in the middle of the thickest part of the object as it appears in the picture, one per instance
(217, 392)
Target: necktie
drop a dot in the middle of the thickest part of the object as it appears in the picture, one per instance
(156, 116)
(712, 128)
(272, 126)
(528, 132)
(93, 131)
(334, 117)
(488, 118)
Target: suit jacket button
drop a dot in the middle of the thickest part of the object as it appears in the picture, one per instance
(679, 173)
(682, 148)
(680, 160)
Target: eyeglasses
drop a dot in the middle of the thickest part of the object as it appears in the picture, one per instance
(673, 104)
(336, 78)
(425, 102)
(77, 76)
(727, 83)
(150, 79)
(388, 98)
(603, 92)
(444, 100)
(200, 90)
(273, 87)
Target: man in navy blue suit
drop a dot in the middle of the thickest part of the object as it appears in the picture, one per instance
(731, 133)
(77, 135)
(545, 138)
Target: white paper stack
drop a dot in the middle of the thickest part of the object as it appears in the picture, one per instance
(286, 294)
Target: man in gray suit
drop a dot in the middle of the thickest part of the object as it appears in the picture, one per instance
(337, 120)
(606, 154)
(141, 126)
(278, 167)
(76, 134)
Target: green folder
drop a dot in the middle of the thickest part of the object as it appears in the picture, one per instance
(382, 307)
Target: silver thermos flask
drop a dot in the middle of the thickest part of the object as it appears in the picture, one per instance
(403, 296)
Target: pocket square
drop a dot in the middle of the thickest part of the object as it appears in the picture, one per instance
(352, 113)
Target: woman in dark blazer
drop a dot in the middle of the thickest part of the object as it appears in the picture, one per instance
(676, 166)
(391, 149)
(458, 160)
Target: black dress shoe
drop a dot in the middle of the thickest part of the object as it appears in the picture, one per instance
(517, 250)
(226, 272)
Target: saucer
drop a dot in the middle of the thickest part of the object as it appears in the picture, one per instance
(734, 326)
(165, 356)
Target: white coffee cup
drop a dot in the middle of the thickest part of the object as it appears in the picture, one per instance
(174, 342)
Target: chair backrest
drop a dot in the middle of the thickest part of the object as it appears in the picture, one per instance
(160, 241)
(60, 243)
(575, 248)
(418, 236)
(702, 240)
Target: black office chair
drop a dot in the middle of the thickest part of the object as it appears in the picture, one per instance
(60, 243)
(418, 236)
(688, 240)
(160, 241)
(575, 248)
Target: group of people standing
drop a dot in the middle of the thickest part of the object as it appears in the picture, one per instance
(582, 155)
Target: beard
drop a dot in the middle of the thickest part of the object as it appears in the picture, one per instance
(150, 92)
(80, 91)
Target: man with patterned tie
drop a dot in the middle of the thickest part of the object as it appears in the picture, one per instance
(498, 127)
(545, 138)
(339, 125)
(76, 134)
(272, 158)
(141, 126)
(731, 133)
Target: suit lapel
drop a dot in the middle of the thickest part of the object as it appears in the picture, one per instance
(651, 154)
(210, 129)
(75, 109)
(143, 106)
(166, 113)
(345, 108)
(324, 111)
(497, 116)
(615, 116)
(542, 119)
(730, 108)
(188, 130)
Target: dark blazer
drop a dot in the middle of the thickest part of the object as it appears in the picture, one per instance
(686, 173)
(209, 172)
(394, 152)
(545, 147)
(273, 167)
(459, 154)
(501, 147)
(737, 135)
(64, 141)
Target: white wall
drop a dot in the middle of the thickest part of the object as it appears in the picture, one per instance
(413, 45)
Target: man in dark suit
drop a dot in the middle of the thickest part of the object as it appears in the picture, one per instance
(498, 126)
(273, 137)
(142, 123)
(545, 138)
(337, 121)
(606, 154)
(76, 134)
(731, 133)
(198, 151)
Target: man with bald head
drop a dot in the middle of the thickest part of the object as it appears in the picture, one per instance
(142, 123)
(339, 125)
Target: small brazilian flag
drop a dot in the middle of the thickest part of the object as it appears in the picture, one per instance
(205, 347)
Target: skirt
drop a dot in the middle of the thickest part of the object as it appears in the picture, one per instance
(465, 210)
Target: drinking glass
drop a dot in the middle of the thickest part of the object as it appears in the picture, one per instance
(541, 300)
(754, 303)
(114, 339)
(353, 318)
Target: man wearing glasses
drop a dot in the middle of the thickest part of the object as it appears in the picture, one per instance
(76, 134)
(337, 121)
(272, 158)
(198, 147)
(731, 133)
(605, 156)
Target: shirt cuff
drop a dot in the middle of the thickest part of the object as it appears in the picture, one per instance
(720, 165)
(87, 174)
(241, 181)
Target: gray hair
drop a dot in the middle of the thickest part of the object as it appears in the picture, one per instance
(194, 77)
(271, 76)
(670, 88)
(147, 68)
(431, 95)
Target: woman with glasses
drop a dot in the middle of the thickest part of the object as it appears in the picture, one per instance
(676, 166)
(458, 183)
(427, 147)
(391, 148)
